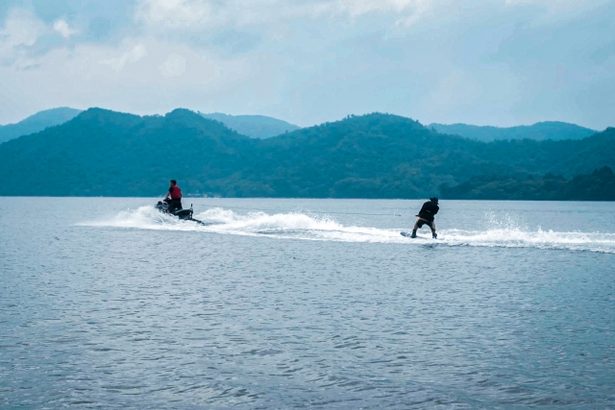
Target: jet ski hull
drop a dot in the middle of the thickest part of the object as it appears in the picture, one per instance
(180, 213)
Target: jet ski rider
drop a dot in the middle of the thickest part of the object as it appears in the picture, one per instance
(174, 197)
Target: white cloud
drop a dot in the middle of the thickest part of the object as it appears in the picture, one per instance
(141, 75)
(173, 13)
(549, 3)
(21, 32)
(554, 11)
(131, 54)
(211, 14)
(62, 27)
(173, 66)
(402, 12)
(313, 60)
(360, 7)
(21, 28)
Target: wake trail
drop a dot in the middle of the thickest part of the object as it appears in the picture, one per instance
(303, 226)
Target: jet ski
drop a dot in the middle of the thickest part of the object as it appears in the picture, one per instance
(183, 214)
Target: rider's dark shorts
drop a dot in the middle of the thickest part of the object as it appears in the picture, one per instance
(421, 222)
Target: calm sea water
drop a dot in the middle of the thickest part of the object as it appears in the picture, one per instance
(306, 303)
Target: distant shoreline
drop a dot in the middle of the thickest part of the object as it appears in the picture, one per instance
(305, 198)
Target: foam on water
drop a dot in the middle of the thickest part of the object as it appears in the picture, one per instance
(296, 225)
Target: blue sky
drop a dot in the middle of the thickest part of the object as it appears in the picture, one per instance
(498, 62)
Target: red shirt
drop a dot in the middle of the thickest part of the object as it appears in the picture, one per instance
(176, 192)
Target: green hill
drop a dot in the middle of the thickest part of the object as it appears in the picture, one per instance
(101, 152)
(255, 126)
(37, 122)
(598, 185)
(541, 131)
(387, 156)
(371, 156)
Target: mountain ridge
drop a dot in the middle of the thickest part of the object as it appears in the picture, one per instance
(37, 122)
(254, 126)
(102, 152)
(540, 131)
(261, 126)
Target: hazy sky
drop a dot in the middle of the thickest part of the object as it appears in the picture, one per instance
(498, 62)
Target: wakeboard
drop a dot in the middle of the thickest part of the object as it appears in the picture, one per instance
(409, 235)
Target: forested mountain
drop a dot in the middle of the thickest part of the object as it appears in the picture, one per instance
(37, 122)
(598, 185)
(541, 131)
(101, 152)
(255, 126)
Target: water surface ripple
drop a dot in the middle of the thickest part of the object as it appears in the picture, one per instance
(297, 303)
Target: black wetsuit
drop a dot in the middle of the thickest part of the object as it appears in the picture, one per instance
(426, 217)
(428, 211)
